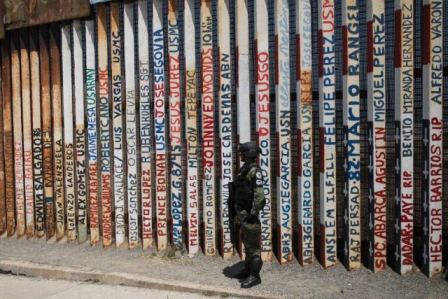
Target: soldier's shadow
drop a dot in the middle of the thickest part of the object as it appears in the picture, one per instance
(231, 271)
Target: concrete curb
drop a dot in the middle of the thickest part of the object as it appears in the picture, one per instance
(117, 278)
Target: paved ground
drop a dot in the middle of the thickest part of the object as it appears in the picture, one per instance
(290, 281)
(18, 287)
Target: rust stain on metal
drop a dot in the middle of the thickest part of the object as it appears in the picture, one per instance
(24, 13)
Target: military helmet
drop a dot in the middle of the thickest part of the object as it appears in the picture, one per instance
(249, 149)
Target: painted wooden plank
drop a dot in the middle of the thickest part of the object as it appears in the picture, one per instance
(283, 131)
(160, 124)
(145, 126)
(27, 132)
(69, 161)
(104, 127)
(327, 134)
(92, 134)
(118, 130)
(208, 132)
(305, 132)
(432, 48)
(80, 132)
(37, 135)
(191, 132)
(242, 89)
(18, 136)
(376, 90)
(47, 132)
(58, 146)
(242, 72)
(225, 124)
(131, 124)
(8, 137)
(404, 140)
(262, 123)
(175, 123)
(2, 167)
(352, 131)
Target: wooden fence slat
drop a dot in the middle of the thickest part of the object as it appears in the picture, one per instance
(58, 143)
(377, 200)
(305, 131)
(38, 171)
(92, 132)
(191, 134)
(208, 132)
(432, 48)
(159, 94)
(175, 125)
(145, 125)
(225, 125)
(404, 136)
(131, 124)
(352, 130)
(327, 134)
(8, 137)
(69, 162)
(47, 132)
(262, 123)
(283, 132)
(80, 132)
(27, 132)
(104, 127)
(18, 135)
(118, 129)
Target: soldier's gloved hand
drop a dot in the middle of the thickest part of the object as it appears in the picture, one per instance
(243, 215)
(253, 212)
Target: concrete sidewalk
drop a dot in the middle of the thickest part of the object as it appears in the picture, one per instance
(205, 275)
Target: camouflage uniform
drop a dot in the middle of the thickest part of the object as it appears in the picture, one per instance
(248, 203)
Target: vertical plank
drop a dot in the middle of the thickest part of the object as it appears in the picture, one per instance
(262, 123)
(118, 130)
(376, 91)
(176, 171)
(283, 131)
(104, 127)
(2, 165)
(242, 72)
(352, 132)
(37, 134)
(327, 134)
(58, 146)
(27, 132)
(305, 131)
(80, 132)
(404, 135)
(8, 137)
(18, 135)
(131, 124)
(92, 131)
(47, 132)
(208, 132)
(69, 163)
(145, 125)
(191, 132)
(432, 37)
(160, 124)
(225, 124)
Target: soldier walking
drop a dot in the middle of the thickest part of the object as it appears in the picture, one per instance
(248, 199)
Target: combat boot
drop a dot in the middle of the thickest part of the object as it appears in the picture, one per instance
(243, 273)
(254, 278)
